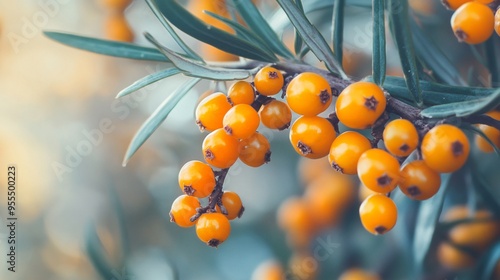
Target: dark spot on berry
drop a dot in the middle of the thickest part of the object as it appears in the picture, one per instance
(457, 148)
(380, 230)
(267, 156)
(337, 167)
(384, 180)
(414, 191)
(230, 101)
(172, 219)
(404, 148)
(461, 35)
(228, 130)
(189, 190)
(284, 127)
(273, 75)
(209, 155)
(200, 126)
(324, 96)
(213, 243)
(240, 213)
(371, 103)
(335, 92)
(304, 149)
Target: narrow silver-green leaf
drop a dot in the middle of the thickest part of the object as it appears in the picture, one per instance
(464, 108)
(189, 52)
(106, 47)
(491, 61)
(257, 23)
(157, 118)
(195, 69)
(402, 37)
(149, 79)
(95, 252)
(378, 60)
(490, 269)
(338, 29)
(312, 37)
(298, 43)
(482, 135)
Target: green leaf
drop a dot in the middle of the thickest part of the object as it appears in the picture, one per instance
(464, 108)
(186, 22)
(312, 37)
(492, 261)
(298, 43)
(434, 58)
(427, 220)
(149, 79)
(338, 29)
(158, 116)
(482, 135)
(491, 60)
(195, 69)
(106, 47)
(189, 52)
(378, 60)
(402, 37)
(257, 23)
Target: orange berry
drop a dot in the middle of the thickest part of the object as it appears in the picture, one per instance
(255, 150)
(233, 205)
(269, 270)
(241, 121)
(211, 110)
(473, 23)
(241, 92)
(213, 228)
(419, 181)
(378, 214)
(346, 150)
(360, 105)
(452, 258)
(445, 148)
(268, 81)
(492, 133)
(485, 2)
(197, 179)
(400, 137)
(118, 29)
(454, 4)
(378, 170)
(276, 115)
(328, 196)
(308, 94)
(219, 149)
(477, 235)
(116, 5)
(497, 22)
(312, 136)
(183, 208)
(294, 216)
(358, 274)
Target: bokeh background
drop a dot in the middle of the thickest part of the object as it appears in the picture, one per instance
(61, 125)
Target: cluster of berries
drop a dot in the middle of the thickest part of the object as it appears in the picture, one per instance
(116, 25)
(474, 21)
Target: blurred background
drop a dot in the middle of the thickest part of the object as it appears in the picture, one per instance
(81, 215)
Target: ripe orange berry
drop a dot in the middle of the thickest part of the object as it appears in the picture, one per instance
(268, 270)
(378, 214)
(294, 215)
(454, 4)
(268, 81)
(118, 29)
(241, 121)
(492, 133)
(220, 149)
(477, 235)
(211, 110)
(485, 2)
(312, 136)
(116, 5)
(419, 181)
(360, 105)
(308, 94)
(445, 148)
(378, 170)
(183, 208)
(497, 22)
(400, 137)
(358, 274)
(452, 258)
(241, 92)
(276, 115)
(255, 150)
(346, 150)
(233, 205)
(213, 228)
(473, 23)
(197, 179)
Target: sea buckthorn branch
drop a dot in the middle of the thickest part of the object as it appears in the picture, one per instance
(215, 197)
(483, 119)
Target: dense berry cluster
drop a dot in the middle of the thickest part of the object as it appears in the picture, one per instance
(474, 21)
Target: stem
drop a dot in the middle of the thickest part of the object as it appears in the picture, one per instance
(483, 119)
(215, 197)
